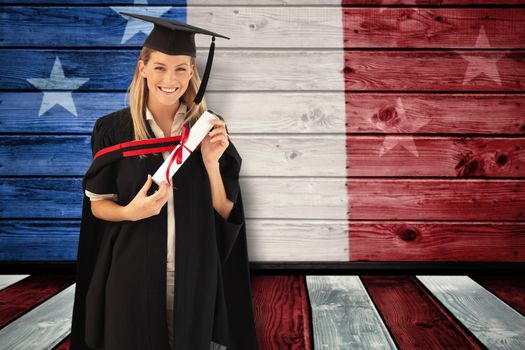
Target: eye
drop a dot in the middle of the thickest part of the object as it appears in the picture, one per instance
(184, 69)
(159, 68)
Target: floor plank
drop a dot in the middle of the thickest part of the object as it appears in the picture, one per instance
(43, 327)
(412, 317)
(282, 315)
(343, 316)
(25, 295)
(494, 323)
(510, 289)
(7, 280)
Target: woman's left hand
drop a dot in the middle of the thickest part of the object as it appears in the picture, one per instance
(214, 143)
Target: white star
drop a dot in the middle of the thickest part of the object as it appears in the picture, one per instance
(57, 81)
(136, 25)
(396, 120)
(481, 64)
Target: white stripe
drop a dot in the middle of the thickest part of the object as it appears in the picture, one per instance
(7, 280)
(493, 322)
(43, 327)
(269, 27)
(344, 316)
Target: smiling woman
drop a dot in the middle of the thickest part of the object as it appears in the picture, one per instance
(128, 295)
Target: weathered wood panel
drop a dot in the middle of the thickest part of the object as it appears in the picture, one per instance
(268, 240)
(273, 27)
(412, 317)
(435, 70)
(434, 27)
(313, 198)
(291, 240)
(39, 240)
(61, 198)
(247, 27)
(343, 316)
(262, 155)
(27, 294)
(435, 199)
(8, 280)
(53, 320)
(493, 322)
(509, 288)
(233, 70)
(436, 241)
(281, 312)
(448, 113)
(296, 112)
(301, 155)
(382, 3)
(253, 70)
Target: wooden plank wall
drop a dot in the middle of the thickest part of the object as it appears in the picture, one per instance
(370, 131)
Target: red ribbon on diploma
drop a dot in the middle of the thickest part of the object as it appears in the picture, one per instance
(177, 155)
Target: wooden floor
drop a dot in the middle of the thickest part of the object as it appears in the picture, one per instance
(314, 312)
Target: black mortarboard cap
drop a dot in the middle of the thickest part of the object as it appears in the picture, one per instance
(177, 38)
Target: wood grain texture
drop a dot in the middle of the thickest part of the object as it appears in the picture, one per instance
(343, 316)
(304, 240)
(428, 113)
(296, 112)
(281, 312)
(273, 27)
(233, 70)
(313, 198)
(510, 289)
(436, 241)
(249, 70)
(39, 240)
(303, 198)
(412, 317)
(268, 240)
(275, 113)
(382, 3)
(433, 27)
(434, 70)
(435, 199)
(493, 322)
(8, 280)
(264, 155)
(247, 27)
(52, 320)
(29, 293)
(302, 155)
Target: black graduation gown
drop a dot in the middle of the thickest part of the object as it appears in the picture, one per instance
(120, 296)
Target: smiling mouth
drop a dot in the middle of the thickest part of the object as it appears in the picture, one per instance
(168, 91)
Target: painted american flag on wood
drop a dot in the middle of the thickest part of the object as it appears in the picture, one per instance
(371, 131)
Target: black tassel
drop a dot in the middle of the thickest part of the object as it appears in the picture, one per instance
(204, 81)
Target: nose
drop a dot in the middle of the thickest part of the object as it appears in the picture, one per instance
(171, 78)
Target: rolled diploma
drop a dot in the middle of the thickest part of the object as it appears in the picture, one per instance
(196, 135)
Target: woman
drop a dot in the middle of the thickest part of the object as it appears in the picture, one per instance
(151, 275)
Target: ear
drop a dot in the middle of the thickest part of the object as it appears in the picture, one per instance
(141, 68)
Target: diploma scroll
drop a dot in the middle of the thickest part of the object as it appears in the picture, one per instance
(196, 134)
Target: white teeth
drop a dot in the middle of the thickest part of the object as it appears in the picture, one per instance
(167, 90)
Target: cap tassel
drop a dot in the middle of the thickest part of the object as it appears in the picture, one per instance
(206, 75)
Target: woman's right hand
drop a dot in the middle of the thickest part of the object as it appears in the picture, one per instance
(144, 206)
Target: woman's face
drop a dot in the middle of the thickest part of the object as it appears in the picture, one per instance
(168, 72)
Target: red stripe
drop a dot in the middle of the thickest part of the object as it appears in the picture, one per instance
(136, 143)
(147, 150)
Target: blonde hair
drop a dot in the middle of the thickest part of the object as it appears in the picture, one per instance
(137, 94)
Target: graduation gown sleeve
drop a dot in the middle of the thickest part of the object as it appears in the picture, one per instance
(232, 245)
(92, 232)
